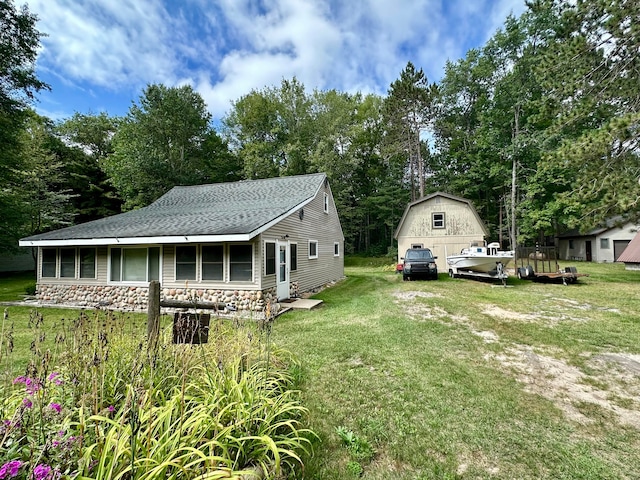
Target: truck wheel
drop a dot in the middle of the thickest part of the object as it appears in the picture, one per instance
(451, 274)
(405, 277)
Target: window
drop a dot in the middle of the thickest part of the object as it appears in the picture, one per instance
(134, 264)
(137, 264)
(604, 243)
(186, 262)
(336, 249)
(212, 261)
(293, 252)
(438, 220)
(240, 263)
(326, 203)
(313, 249)
(87, 263)
(49, 262)
(270, 258)
(67, 262)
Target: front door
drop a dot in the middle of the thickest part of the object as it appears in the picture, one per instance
(283, 271)
(588, 252)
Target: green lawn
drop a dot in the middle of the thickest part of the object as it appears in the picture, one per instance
(13, 286)
(458, 379)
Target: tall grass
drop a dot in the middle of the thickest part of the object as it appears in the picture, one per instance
(95, 401)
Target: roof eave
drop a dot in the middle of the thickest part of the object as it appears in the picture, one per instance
(74, 242)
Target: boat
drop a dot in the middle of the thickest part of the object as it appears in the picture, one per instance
(480, 258)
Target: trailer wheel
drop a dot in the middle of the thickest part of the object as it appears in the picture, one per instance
(530, 273)
(521, 273)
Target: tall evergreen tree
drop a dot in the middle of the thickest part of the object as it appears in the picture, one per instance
(407, 114)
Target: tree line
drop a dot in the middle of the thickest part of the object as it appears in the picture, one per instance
(538, 128)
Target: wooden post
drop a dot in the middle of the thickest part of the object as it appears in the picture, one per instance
(153, 312)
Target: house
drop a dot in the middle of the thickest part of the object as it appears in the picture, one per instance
(242, 244)
(603, 244)
(631, 255)
(441, 222)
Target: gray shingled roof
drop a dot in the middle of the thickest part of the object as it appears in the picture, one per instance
(216, 209)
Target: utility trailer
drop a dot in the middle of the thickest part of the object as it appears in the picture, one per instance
(540, 264)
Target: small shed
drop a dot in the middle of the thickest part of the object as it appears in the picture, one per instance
(602, 244)
(441, 222)
(631, 255)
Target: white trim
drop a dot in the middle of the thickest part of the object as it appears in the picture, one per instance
(309, 249)
(336, 244)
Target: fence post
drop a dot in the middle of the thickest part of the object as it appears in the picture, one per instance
(153, 312)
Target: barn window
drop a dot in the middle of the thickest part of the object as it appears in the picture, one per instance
(336, 249)
(438, 220)
(604, 243)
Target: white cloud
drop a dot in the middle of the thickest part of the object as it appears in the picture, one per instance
(225, 48)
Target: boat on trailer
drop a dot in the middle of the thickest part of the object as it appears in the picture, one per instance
(481, 260)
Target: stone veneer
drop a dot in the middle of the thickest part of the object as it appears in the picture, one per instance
(135, 298)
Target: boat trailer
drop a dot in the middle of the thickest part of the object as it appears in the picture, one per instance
(500, 273)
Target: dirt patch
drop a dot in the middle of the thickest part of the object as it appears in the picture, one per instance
(498, 312)
(412, 295)
(568, 387)
(419, 311)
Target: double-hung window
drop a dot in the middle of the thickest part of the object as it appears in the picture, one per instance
(240, 263)
(438, 220)
(186, 258)
(212, 262)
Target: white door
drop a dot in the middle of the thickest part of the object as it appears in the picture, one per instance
(283, 271)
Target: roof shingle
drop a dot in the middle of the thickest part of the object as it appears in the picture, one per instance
(215, 209)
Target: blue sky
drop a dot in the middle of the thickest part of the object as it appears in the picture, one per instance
(100, 54)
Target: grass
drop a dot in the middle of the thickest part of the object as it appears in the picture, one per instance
(414, 378)
(13, 286)
(454, 379)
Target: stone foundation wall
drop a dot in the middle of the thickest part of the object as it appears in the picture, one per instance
(135, 298)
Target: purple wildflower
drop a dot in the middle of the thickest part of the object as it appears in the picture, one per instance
(111, 408)
(53, 378)
(10, 468)
(27, 403)
(55, 406)
(41, 472)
